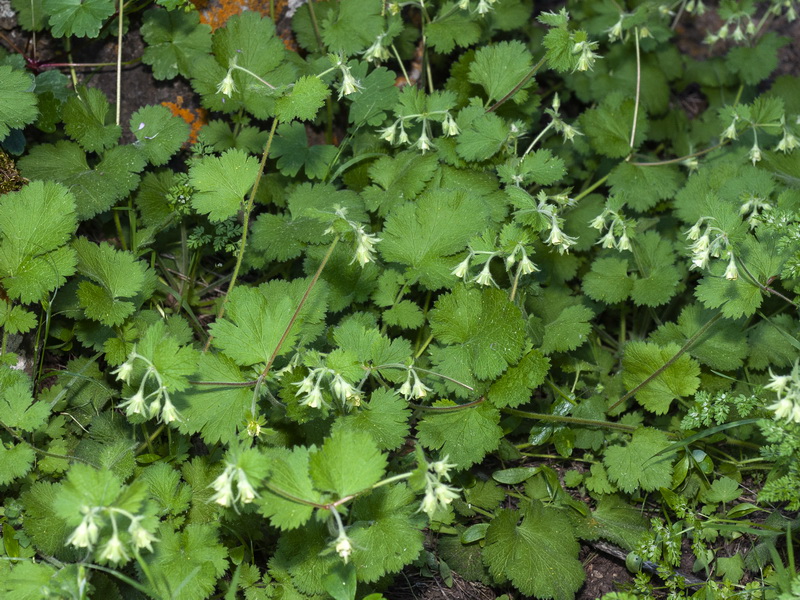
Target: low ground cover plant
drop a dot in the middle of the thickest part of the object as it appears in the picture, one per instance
(438, 287)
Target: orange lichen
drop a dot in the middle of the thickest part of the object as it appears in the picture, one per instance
(215, 14)
(196, 118)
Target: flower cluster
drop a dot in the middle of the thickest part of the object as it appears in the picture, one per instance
(743, 29)
(350, 85)
(565, 129)
(232, 477)
(149, 405)
(438, 494)
(556, 237)
(365, 242)
(413, 386)
(526, 265)
(787, 387)
(377, 52)
(87, 533)
(586, 55)
(311, 388)
(485, 276)
(617, 234)
(714, 243)
(396, 132)
(789, 141)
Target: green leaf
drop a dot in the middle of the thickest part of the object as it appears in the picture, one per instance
(279, 238)
(386, 533)
(643, 359)
(222, 183)
(558, 42)
(348, 462)
(117, 276)
(608, 281)
(304, 101)
(35, 224)
(608, 127)
(87, 121)
(384, 418)
(289, 473)
(352, 26)
(722, 347)
(446, 431)
(250, 40)
(27, 580)
(158, 132)
(399, 178)
(405, 314)
(641, 187)
(483, 327)
(723, 489)
(290, 147)
(216, 412)
(536, 549)
(16, 319)
(482, 134)
(426, 235)
(222, 136)
(539, 167)
(634, 466)
(658, 277)
(17, 407)
(17, 100)
(174, 39)
(516, 385)
(499, 68)
(754, 64)
(616, 521)
(371, 104)
(95, 189)
(186, 564)
(736, 298)
(451, 28)
(568, 331)
(257, 317)
(306, 555)
(30, 14)
(78, 18)
(15, 461)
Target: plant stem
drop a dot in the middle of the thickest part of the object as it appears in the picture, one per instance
(119, 63)
(315, 25)
(688, 344)
(245, 225)
(591, 188)
(517, 87)
(300, 305)
(672, 161)
(638, 90)
(572, 420)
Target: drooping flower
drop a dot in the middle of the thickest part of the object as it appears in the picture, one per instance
(114, 550)
(140, 537)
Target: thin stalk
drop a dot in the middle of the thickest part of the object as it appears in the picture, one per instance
(591, 188)
(571, 420)
(688, 344)
(672, 161)
(402, 66)
(638, 90)
(517, 87)
(245, 224)
(13, 434)
(762, 287)
(300, 305)
(119, 62)
(315, 25)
